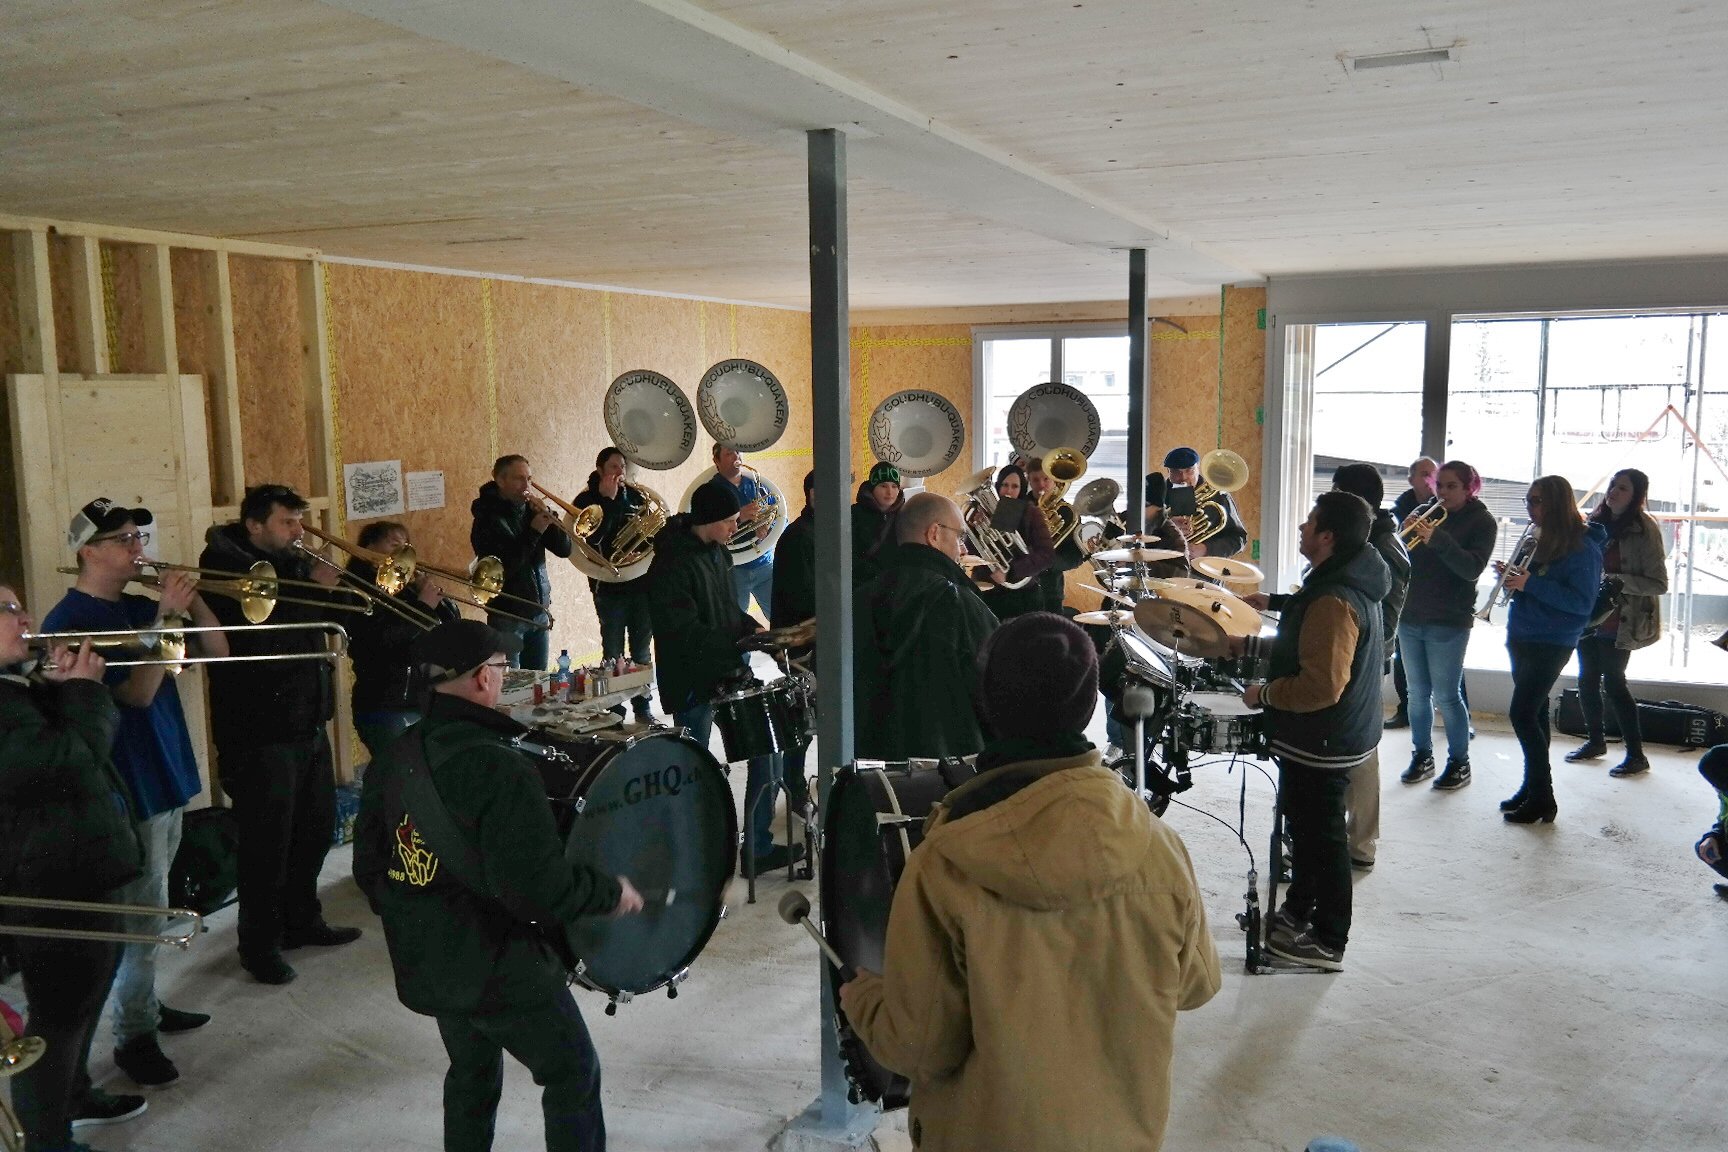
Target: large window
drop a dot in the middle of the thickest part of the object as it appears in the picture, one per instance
(1090, 358)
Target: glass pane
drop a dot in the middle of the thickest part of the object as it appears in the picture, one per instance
(1491, 417)
(1098, 367)
(1010, 367)
(1367, 400)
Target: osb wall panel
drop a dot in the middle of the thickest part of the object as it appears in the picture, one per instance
(125, 281)
(268, 370)
(887, 360)
(11, 360)
(780, 341)
(1184, 404)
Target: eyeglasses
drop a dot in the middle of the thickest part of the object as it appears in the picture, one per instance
(951, 528)
(1532, 501)
(496, 664)
(125, 539)
(11, 608)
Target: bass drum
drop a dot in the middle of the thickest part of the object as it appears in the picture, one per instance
(875, 817)
(654, 807)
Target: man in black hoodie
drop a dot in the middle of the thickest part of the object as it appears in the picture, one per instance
(1323, 715)
(519, 531)
(267, 720)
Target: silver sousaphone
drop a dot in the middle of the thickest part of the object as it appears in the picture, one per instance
(1050, 416)
(743, 404)
(919, 432)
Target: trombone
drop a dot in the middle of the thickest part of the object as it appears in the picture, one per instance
(167, 646)
(398, 568)
(1430, 511)
(257, 589)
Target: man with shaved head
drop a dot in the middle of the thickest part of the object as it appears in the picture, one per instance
(919, 627)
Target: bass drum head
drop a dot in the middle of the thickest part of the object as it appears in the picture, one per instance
(743, 404)
(658, 810)
(919, 432)
(861, 866)
(650, 420)
(1048, 416)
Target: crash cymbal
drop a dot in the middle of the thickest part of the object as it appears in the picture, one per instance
(1110, 618)
(1235, 615)
(1183, 627)
(800, 635)
(1227, 570)
(1136, 555)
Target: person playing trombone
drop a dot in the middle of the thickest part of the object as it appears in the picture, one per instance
(1553, 589)
(385, 698)
(152, 751)
(268, 723)
(515, 526)
(66, 833)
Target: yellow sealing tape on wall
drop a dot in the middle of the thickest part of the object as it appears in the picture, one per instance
(110, 309)
(491, 367)
(333, 368)
(864, 345)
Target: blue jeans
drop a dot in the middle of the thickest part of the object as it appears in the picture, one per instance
(621, 617)
(755, 578)
(378, 730)
(536, 642)
(760, 783)
(133, 998)
(1434, 669)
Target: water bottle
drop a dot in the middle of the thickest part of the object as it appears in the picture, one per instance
(561, 682)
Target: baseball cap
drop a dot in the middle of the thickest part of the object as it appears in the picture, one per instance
(99, 516)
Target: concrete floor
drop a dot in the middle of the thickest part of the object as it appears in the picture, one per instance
(1558, 987)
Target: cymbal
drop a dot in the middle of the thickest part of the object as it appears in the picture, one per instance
(800, 635)
(1136, 555)
(1183, 627)
(1235, 615)
(1230, 571)
(1110, 618)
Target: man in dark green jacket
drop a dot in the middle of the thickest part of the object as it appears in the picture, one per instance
(919, 627)
(66, 833)
(512, 524)
(463, 957)
(697, 627)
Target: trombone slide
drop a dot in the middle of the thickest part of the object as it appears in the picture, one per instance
(180, 940)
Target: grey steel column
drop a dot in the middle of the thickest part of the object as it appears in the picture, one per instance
(831, 1121)
(1436, 382)
(1137, 332)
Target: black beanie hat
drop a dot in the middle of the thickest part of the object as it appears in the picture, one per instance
(1038, 675)
(1360, 480)
(713, 503)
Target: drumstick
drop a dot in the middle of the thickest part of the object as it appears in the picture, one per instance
(661, 896)
(795, 909)
(1117, 596)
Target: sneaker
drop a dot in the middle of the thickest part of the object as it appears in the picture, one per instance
(776, 857)
(1589, 750)
(1457, 775)
(98, 1108)
(1400, 718)
(319, 935)
(172, 1020)
(1286, 924)
(142, 1060)
(1635, 764)
(268, 968)
(1304, 949)
(1421, 767)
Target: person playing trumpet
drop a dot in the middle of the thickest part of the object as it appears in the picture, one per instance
(152, 751)
(757, 577)
(268, 722)
(385, 695)
(515, 526)
(66, 833)
(1421, 479)
(622, 607)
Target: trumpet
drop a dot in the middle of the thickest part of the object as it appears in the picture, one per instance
(147, 647)
(1221, 473)
(1428, 512)
(399, 568)
(1518, 564)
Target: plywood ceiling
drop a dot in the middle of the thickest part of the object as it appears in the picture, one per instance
(1008, 146)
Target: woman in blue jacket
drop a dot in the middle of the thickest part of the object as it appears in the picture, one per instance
(1551, 604)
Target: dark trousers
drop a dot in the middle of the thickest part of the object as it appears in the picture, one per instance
(1535, 668)
(552, 1042)
(285, 809)
(66, 983)
(1602, 672)
(624, 617)
(1312, 802)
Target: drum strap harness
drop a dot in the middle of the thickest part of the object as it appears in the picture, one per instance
(438, 828)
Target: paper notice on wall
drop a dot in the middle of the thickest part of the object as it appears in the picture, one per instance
(374, 489)
(425, 490)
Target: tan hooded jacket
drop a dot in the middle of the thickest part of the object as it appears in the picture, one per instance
(1038, 952)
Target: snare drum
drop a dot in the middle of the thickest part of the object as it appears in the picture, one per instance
(758, 720)
(654, 807)
(1220, 723)
(875, 818)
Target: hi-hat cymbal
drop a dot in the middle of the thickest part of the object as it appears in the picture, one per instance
(800, 635)
(1109, 618)
(1136, 555)
(1227, 570)
(1183, 627)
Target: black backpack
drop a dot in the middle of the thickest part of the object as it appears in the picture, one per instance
(206, 869)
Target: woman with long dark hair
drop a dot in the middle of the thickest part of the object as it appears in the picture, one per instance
(1634, 579)
(1040, 553)
(1551, 602)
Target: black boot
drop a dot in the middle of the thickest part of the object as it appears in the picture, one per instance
(1400, 718)
(1515, 801)
(1532, 810)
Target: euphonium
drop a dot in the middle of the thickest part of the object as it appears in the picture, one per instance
(1221, 472)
